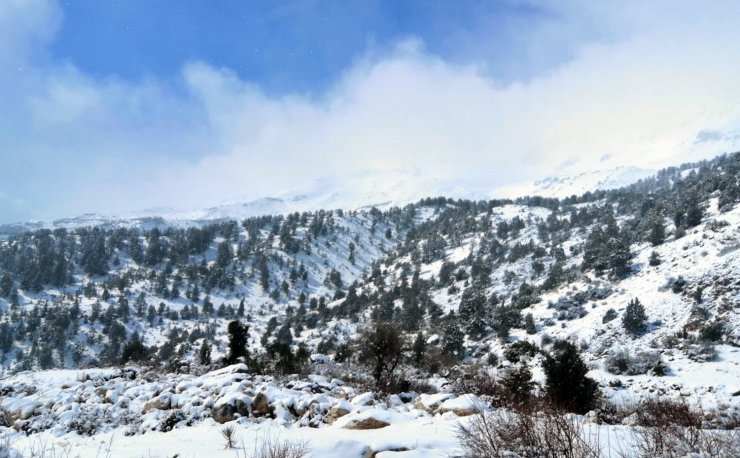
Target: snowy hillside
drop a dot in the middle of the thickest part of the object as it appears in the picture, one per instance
(642, 281)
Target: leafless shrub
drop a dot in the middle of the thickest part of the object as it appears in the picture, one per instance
(228, 433)
(673, 428)
(542, 432)
(43, 449)
(272, 447)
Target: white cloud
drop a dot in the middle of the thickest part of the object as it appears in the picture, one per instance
(637, 100)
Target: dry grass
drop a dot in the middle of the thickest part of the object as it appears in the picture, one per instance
(272, 447)
(544, 433)
(673, 428)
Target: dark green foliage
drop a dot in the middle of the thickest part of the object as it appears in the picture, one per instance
(566, 383)
(634, 319)
(529, 325)
(204, 353)
(518, 385)
(135, 350)
(418, 349)
(505, 318)
(472, 311)
(452, 340)
(519, 349)
(382, 347)
(238, 335)
(713, 331)
(654, 259)
(607, 249)
(657, 231)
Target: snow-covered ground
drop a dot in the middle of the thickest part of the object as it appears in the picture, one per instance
(136, 415)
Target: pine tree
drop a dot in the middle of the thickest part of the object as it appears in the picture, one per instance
(634, 317)
(529, 325)
(566, 384)
(418, 349)
(238, 335)
(657, 232)
(382, 348)
(452, 340)
(204, 354)
(654, 259)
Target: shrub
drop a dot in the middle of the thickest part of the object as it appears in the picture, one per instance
(610, 315)
(566, 385)
(634, 318)
(519, 349)
(382, 349)
(271, 447)
(673, 428)
(620, 362)
(545, 433)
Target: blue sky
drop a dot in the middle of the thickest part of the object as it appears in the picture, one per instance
(301, 45)
(118, 105)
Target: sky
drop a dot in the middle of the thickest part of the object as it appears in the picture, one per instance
(124, 105)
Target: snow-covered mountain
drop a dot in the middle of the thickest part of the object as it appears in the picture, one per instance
(569, 185)
(362, 191)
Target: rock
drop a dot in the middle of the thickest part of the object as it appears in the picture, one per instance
(367, 423)
(339, 410)
(364, 399)
(373, 453)
(161, 402)
(431, 402)
(261, 406)
(111, 396)
(230, 405)
(631, 420)
(592, 416)
(462, 406)
(223, 413)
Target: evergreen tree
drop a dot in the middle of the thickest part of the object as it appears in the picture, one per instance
(566, 384)
(452, 340)
(472, 311)
(518, 384)
(382, 348)
(657, 231)
(694, 211)
(418, 349)
(238, 335)
(529, 325)
(134, 350)
(204, 353)
(634, 317)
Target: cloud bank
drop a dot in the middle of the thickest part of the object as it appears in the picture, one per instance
(647, 96)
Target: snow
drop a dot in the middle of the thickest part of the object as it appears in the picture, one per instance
(568, 185)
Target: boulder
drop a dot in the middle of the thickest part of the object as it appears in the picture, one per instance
(261, 406)
(223, 413)
(161, 402)
(462, 406)
(367, 423)
(339, 410)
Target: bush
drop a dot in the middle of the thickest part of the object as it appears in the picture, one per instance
(519, 349)
(634, 318)
(673, 428)
(537, 432)
(610, 315)
(270, 447)
(619, 362)
(566, 385)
